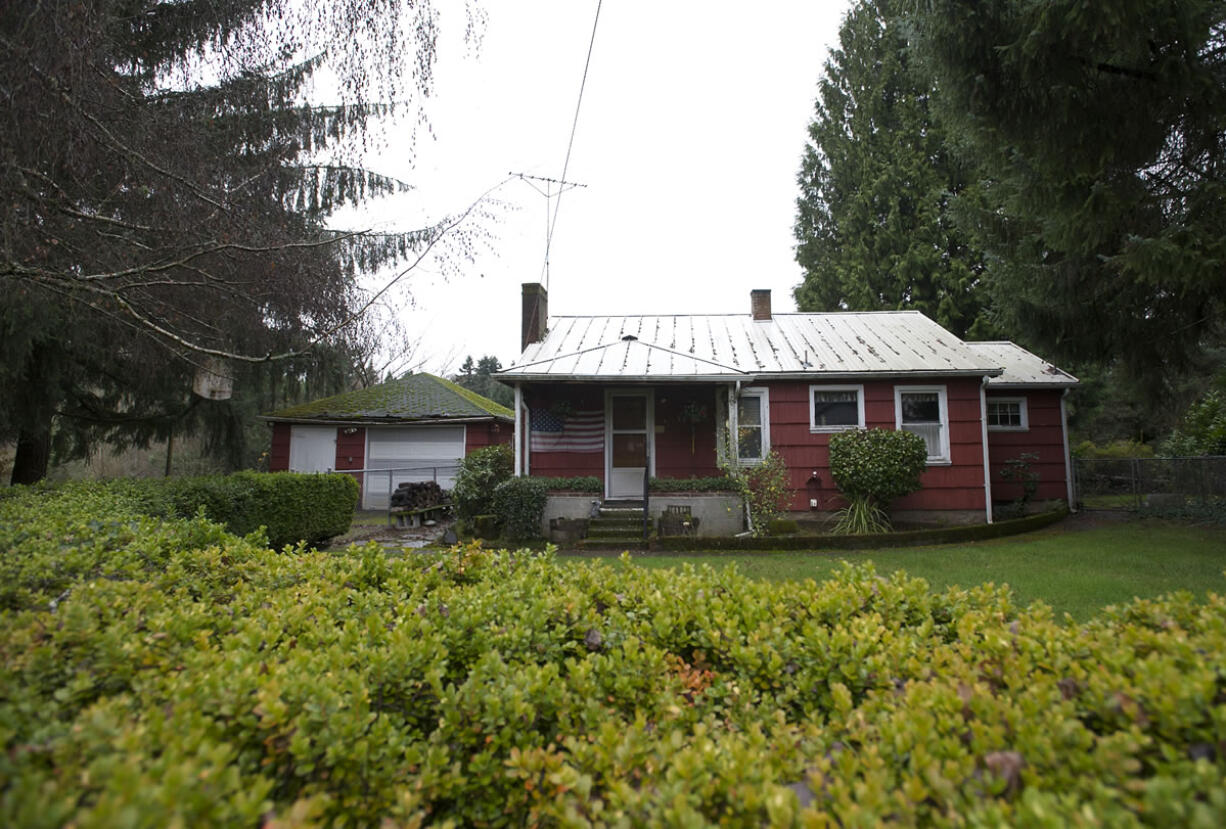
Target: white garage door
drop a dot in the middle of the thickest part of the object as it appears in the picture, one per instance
(312, 448)
(410, 453)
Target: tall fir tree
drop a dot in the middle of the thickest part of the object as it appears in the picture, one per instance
(873, 228)
(163, 197)
(1099, 133)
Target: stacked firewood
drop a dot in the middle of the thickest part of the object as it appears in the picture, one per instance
(418, 495)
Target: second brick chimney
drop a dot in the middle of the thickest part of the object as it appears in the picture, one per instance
(760, 303)
(535, 318)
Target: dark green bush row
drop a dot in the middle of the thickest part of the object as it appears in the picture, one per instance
(209, 681)
(717, 484)
(896, 538)
(291, 507)
(582, 483)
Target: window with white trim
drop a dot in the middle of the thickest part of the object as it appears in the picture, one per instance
(1007, 414)
(835, 408)
(753, 438)
(924, 410)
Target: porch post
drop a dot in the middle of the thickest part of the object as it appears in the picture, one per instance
(519, 431)
(987, 461)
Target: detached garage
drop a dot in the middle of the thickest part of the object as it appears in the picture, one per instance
(416, 428)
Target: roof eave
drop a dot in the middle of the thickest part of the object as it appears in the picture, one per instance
(754, 377)
(334, 420)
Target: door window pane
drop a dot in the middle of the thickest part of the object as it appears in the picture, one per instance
(629, 450)
(630, 412)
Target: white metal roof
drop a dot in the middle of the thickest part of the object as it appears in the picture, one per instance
(1022, 368)
(731, 346)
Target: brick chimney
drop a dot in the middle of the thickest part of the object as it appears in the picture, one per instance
(535, 319)
(760, 304)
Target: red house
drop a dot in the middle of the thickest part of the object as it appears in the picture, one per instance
(621, 397)
(415, 428)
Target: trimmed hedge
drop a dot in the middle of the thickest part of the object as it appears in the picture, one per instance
(203, 680)
(904, 538)
(715, 484)
(581, 483)
(291, 507)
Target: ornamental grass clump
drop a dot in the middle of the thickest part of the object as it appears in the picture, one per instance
(872, 467)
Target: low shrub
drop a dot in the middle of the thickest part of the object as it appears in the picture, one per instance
(1112, 451)
(519, 504)
(203, 680)
(581, 483)
(782, 526)
(721, 483)
(480, 472)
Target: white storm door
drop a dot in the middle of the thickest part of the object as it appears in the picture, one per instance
(629, 449)
(312, 448)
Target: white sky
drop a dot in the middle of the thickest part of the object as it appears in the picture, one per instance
(689, 141)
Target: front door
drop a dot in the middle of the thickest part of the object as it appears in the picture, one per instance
(629, 419)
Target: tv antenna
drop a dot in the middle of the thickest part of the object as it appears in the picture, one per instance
(552, 191)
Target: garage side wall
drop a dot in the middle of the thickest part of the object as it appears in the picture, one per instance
(278, 454)
(481, 435)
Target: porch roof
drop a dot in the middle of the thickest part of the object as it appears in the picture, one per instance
(724, 347)
(1022, 369)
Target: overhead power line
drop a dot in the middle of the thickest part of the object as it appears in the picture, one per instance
(553, 222)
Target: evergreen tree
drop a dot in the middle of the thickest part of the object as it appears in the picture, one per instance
(873, 227)
(479, 377)
(163, 194)
(1099, 131)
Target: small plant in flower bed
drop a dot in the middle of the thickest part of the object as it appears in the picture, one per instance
(200, 679)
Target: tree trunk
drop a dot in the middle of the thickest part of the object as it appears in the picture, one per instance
(33, 455)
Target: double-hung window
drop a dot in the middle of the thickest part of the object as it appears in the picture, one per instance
(753, 439)
(835, 408)
(924, 410)
(1007, 414)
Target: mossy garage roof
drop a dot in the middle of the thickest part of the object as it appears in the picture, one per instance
(414, 397)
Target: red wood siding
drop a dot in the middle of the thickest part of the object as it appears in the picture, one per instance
(1044, 437)
(682, 450)
(350, 449)
(565, 464)
(956, 486)
(481, 435)
(278, 453)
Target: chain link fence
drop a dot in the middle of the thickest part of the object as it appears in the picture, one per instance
(379, 484)
(1175, 487)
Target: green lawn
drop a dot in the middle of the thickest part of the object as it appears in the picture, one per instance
(1076, 571)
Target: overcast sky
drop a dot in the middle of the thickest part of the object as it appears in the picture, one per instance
(689, 141)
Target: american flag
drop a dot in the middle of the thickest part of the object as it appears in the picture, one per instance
(575, 432)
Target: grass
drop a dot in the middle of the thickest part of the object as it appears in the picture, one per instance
(1075, 571)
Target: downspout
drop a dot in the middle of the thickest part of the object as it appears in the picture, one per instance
(1068, 458)
(734, 445)
(519, 431)
(987, 461)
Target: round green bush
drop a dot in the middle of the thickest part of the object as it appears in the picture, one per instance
(878, 464)
(519, 504)
(480, 472)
